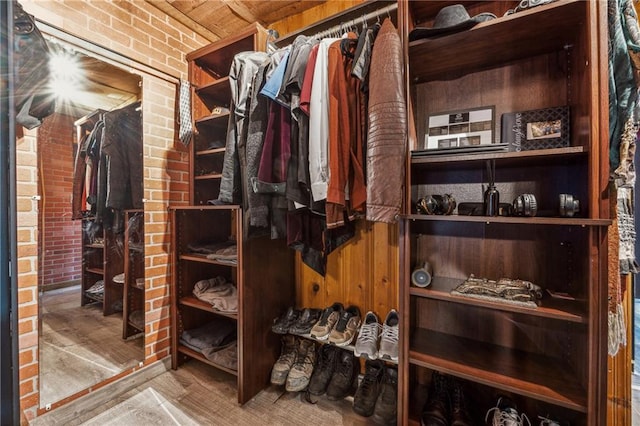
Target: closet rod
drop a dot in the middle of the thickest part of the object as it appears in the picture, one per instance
(357, 21)
(367, 11)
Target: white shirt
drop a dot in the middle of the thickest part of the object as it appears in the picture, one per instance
(319, 123)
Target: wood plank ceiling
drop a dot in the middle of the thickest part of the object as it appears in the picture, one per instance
(215, 19)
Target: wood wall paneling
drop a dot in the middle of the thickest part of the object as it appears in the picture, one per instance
(310, 16)
(364, 271)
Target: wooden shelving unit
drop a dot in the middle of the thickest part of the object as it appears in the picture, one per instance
(551, 359)
(208, 74)
(263, 277)
(133, 297)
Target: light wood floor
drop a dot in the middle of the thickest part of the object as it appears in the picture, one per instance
(198, 394)
(79, 346)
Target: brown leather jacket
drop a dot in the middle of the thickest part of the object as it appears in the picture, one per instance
(387, 135)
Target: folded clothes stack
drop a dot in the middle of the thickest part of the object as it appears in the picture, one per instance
(210, 338)
(221, 294)
(225, 255)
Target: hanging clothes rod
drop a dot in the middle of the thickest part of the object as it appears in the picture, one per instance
(356, 16)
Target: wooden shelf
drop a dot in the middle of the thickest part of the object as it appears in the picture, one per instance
(136, 327)
(544, 378)
(519, 220)
(532, 32)
(502, 157)
(203, 259)
(210, 207)
(219, 91)
(194, 302)
(217, 57)
(95, 246)
(98, 271)
(193, 354)
(210, 151)
(94, 297)
(350, 347)
(209, 176)
(564, 310)
(217, 120)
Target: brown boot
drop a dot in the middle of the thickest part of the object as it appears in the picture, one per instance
(284, 363)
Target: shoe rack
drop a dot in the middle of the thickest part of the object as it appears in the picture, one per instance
(550, 360)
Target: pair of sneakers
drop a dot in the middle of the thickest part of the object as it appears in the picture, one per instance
(296, 321)
(337, 324)
(376, 341)
(505, 413)
(295, 364)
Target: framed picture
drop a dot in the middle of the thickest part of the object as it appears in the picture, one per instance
(460, 129)
(536, 129)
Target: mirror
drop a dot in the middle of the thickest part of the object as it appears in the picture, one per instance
(90, 253)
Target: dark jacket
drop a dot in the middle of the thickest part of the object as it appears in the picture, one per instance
(387, 135)
(243, 69)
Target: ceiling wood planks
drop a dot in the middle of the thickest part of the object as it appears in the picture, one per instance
(221, 18)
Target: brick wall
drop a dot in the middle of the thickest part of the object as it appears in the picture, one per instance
(27, 235)
(61, 240)
(137, 30)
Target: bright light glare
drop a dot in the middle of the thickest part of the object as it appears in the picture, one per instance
(64, 89)
(65, 75)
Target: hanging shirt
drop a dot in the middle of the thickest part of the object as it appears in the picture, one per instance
(346, 190)
(307, 81)
(319, 123)
(271, 88)
(298, 168)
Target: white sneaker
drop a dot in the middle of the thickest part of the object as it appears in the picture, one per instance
(389, 337)
(367, 343)
(504, 414)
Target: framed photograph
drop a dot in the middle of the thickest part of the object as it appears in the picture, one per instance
(536, 129)
(458, 129)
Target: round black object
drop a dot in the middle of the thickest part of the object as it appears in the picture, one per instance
(525, 205)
